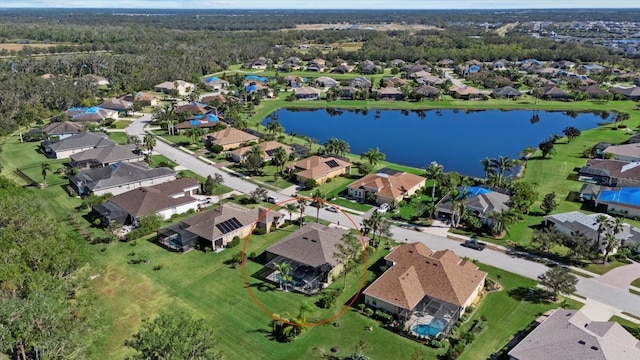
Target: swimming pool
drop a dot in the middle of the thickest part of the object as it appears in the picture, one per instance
(431, 329)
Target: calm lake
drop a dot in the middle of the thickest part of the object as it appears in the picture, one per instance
(457, 139)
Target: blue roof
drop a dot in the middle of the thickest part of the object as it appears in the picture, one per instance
(92, 110)
(256, 78)
(213, 78)
(251, 88)
(474, 68)
(197, 119)
(627, 195)
(473, 191)
(194, 122)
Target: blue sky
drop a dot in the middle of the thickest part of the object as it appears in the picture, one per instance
(324, 4)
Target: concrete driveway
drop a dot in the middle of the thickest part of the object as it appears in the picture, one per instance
(621, 277)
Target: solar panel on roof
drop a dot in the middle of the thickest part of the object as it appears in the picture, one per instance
(228, 226)
(332, 164)
(271, 152)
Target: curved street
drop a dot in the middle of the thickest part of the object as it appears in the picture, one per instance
(595, 288)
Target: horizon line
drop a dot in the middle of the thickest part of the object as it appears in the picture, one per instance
(322, 9)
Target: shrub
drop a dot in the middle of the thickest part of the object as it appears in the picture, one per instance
(216, 149)
(158, 267)
(329, 180)
(469, 309)
(233, 243)
(436, 344)
(252, 255)
(368, 312)
(361, 306)
(329, 298)
(292, 156)
(310, 184)
(207, 249)
(259, 231)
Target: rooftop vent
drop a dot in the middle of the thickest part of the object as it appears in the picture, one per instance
(595, 348)
(581, 342)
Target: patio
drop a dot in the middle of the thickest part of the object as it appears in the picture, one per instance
(305, 279)
(431, 318)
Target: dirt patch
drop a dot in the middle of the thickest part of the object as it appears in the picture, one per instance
(10, 47)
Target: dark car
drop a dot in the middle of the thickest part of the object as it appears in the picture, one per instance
(474, 244)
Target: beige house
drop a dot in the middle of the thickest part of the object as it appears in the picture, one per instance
(267, 147)
(310, 253)
(142, 97)
(181, 87)
(216, 228)
(229, 138)
(426, 287)
(625, 152)
(387, 188)
(319, 168)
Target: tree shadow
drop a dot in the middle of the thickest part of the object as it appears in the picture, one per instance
(532, 295)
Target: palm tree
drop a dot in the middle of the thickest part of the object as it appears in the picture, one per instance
(502, 219)
(274, 127)
(302, 205)
(291, 208)
(434, 172)
(149, 143)
(195, 133)
(318, 201)
(486, 163)
(603, 223)
(612, 243)
(279, 158)
(305, 308)
(135, 140)
(501, 165)
(374, 156)
(457, 197)
(45, 167)
(284, 272)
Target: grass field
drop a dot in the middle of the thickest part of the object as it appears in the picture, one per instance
(507, 313)
(120, 137)
(636, 283)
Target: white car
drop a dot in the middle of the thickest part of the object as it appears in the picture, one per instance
(333, 209)
(383, 208)
(272, 199)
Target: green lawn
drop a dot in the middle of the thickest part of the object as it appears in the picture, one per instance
(636, 283)
(333, 189)
(205, 286)
(267, 177)
(120, 124)
(506, 313)
(119, 137)
(602, 269)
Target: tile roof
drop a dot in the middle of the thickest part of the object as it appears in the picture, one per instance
(313, 244)
(194, 108)
(611, 168)
(81, 140)
(117, 104)
(418, 271)
(485, 201)
(388, 186)
(266, 147)
(315, 167)
(152, 199)
(570, 334)
(107, 154)
(230, 136)
(306, 90)
(631, 150)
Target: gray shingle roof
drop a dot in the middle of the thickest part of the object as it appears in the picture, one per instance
(312, 245)
(148, 200)
(65, 127)
(118, 174)
(106, 154)
(569, 334)
(81, 140)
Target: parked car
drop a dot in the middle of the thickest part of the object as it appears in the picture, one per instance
(474, 244)
(333, 209)
(383, 208)
(272, 199)
(207, 200)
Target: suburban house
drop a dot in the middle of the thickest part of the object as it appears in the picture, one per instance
(610, 173)
(96, 80)
(506, 92)
(388, 187)
(215, 83)
(166, 199)
(194, 108)
(119, 178)
(104, 156)
(74, 144)
(625, 152)
(258, 64)
(326, 81)
(427, 91)
(119, 105)
(229, 138)
(390, 93)
(62, 130)
(93, 114)
(620, 201)
(480, 201)
(425, 288)
(179, 87)
(319, 168)
(594, 92)
(360, 83)
(554, 93)
(310, 253)
(394, 81)
(267, 147)
(570, 334)
(217, 227)
(306, 93)
(143, 98)
(465, 92)
(348, 92)
(317, 65)
(430, 80)
(412, 69)
(578, 222)
(206, 121)
(631, 93)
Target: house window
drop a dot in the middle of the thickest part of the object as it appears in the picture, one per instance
(373, 302)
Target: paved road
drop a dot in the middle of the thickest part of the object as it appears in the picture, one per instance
(588, 287)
